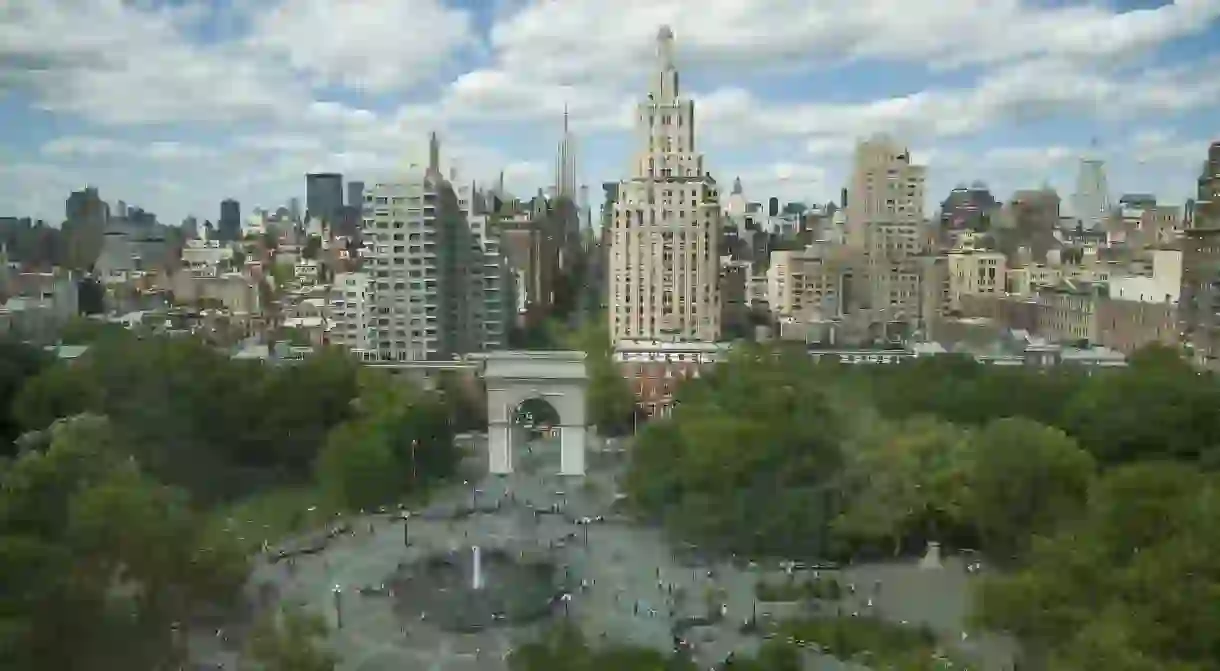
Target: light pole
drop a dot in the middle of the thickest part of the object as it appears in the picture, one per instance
(414, 444)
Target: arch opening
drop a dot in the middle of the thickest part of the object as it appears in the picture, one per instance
(537, 416)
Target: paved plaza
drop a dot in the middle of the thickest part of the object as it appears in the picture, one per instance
(625, 583)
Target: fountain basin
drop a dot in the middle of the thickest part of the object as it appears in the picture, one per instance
(512, 589)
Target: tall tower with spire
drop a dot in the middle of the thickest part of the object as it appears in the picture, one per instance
(664, 263)
(565, 161)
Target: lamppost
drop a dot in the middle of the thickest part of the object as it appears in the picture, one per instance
(414, 444)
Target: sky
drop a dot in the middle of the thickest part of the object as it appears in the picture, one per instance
(174, 105)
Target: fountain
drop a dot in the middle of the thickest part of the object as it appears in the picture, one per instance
(931, 558)
(476, 573)
(467, 591)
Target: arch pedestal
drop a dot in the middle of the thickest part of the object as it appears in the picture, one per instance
(560, 379)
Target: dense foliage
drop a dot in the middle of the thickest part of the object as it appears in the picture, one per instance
(1093, 491)
(96, 553)
(124, 461)
(219, 427)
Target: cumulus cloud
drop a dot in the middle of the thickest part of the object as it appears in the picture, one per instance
(373, 45)
(187, 102)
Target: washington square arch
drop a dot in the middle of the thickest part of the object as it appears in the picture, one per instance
(559, 379)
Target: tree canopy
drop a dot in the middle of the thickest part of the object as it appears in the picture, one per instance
(96, 552)
(1092, 491)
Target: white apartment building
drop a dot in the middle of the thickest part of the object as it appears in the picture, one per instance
(887, 191)
(884, 219)
(427, 267)
(975, 272)
(402, 231)
(664, 266)
(350, 312)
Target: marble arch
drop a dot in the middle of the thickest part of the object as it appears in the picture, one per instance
(560, 379)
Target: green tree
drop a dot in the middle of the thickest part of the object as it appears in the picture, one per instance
(357, 468)
(399, 438)
(94, 552)
(58, 391)
(1131, 585)
(18, 364)
(466, 400)
(290, 640)
(1178, 416)
(610, 400)
(1024, 479)
(84, 331)
(902, 479)
(733, 467)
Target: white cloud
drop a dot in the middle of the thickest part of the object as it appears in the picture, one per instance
(1025, 92)
(77, 146)
(295, 85)
(577, 40)
(110, 62)
(373, 45)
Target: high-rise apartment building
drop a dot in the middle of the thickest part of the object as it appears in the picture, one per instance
(229, 225)
(885, 223)
(324, 195)
(426, 266)
(886, 196)
(1091, 200)
(664, 267)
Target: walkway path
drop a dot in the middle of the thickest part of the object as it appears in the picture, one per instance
(621, 565)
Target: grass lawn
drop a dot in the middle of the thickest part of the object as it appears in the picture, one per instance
(273, 515)
(280, 513)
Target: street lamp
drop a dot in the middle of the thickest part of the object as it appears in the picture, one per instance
(414, 444)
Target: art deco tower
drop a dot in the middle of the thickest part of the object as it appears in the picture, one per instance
(565, 162)
(664, 266)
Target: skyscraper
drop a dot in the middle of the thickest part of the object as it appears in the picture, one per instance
(229, 225)
(427, 282)
(664, 267)
(324, 195)
(884, 218)
(565, 162)
(1091, 200)
(355, 193)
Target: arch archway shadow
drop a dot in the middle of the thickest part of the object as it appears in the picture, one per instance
(556, 379)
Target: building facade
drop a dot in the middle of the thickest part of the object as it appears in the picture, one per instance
(664, 262)
(426, 268)
(324, 195)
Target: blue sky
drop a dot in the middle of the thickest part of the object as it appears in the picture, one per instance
(176, 104)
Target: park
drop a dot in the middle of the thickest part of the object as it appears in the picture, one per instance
(788, 514)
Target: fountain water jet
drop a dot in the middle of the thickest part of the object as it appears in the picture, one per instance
(476, 575)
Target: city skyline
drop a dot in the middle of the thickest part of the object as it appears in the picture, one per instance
(177, 109)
